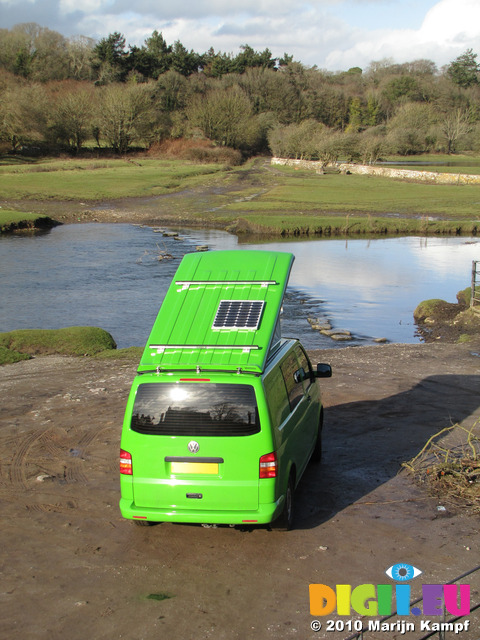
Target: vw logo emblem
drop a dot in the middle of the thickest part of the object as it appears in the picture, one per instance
(193, 447)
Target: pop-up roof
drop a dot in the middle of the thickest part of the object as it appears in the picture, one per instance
(221, 311)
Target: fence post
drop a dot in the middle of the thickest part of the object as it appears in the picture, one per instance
(473, 284)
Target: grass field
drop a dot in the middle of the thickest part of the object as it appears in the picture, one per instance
(255, 197)
(305, 192)
(99, 180)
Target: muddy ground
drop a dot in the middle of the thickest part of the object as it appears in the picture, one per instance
(73, 569)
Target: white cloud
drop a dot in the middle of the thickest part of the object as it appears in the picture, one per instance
(11, 3)
(70, 6)
(452, 21)
(165, 9)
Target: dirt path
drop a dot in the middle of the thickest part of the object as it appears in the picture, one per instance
(72, 568)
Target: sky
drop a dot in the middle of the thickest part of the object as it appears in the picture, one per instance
(332, 34)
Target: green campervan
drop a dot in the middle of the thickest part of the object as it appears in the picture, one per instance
(224, 414)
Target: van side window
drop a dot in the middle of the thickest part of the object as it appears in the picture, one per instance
(293, 379)
(305, 366)
(276, 395)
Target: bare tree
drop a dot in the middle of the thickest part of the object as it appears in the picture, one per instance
(71, 117)
(24, 114)
(223, 116)
(79, 56)
(125, 114)
(454, 126)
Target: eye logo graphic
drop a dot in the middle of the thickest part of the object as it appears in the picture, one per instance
(403, 572)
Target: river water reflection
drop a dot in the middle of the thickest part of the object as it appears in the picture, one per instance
(107, 275)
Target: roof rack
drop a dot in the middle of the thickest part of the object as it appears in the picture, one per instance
(161, 347)
(200, 370)
(188, 283)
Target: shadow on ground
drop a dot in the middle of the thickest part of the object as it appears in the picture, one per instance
(366, 442)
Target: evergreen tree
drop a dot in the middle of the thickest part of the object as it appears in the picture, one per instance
(465, 69)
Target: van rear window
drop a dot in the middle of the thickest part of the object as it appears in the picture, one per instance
(195, 410)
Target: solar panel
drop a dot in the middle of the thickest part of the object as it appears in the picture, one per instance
(238, 314)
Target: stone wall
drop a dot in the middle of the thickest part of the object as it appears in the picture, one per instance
(314, 165)
(385, 172)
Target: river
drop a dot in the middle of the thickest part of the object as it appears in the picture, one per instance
(108, 275)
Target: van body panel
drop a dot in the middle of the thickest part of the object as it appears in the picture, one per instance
(224, 470)
(294, 408)
(156, 485)
(265, 514)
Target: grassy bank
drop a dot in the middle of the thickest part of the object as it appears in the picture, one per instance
(255, 198)
(13, 220)
(23, 344)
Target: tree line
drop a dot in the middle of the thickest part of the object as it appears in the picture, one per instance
(60, 93)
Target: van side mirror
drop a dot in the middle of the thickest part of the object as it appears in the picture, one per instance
(299, 375)
(323, 371)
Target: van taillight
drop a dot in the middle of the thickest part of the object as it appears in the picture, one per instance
(268, 465)
(125, 463)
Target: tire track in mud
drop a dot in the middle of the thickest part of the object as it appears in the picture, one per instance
(19, 461)
(56, 507)
(74, 472)
(53, 442)
(6, 445)
(65, 448)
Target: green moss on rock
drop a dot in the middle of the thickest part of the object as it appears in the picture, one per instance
(435, 308)
(463, 297)
(70, 341)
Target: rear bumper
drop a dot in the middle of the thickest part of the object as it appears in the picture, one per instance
(263, 515)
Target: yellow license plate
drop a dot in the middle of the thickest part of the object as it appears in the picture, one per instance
(195, 467)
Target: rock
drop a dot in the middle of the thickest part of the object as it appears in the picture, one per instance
(319, 325)
(325, 326)
(44, 477)
(380, 340)
(338, 332)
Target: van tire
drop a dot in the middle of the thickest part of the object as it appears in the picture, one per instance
(285, 521)
(317, 450)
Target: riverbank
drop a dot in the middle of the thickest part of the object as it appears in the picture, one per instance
(257, 199)
(12, 221)
(63, 530)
